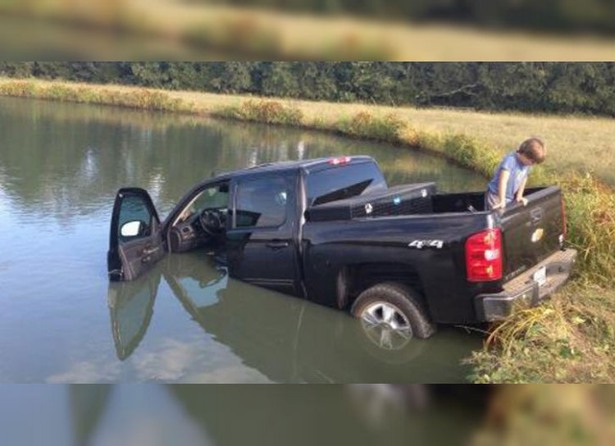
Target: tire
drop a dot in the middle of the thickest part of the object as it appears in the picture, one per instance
(392, 312)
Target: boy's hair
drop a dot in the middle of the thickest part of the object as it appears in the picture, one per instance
(533, 148)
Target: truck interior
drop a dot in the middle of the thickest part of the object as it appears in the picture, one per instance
(202, 220)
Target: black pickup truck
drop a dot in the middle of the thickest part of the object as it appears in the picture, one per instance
(330, 230)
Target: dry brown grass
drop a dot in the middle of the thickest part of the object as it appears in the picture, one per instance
(259, 33)
(579, 143)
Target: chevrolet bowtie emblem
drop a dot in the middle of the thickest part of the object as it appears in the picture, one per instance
(537, 235)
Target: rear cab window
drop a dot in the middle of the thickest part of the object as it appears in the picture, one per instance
(340, 182)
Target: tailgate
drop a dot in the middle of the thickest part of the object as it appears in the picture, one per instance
(531, 233)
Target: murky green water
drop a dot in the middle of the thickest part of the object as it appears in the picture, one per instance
(157, 415)
(61, 320)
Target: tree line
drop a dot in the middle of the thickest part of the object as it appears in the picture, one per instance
(587, 88)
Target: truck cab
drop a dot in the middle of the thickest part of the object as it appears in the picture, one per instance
(249, 219)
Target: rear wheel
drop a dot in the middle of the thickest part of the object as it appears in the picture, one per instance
(391, 315)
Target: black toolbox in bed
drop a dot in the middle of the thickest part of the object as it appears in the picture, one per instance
(399, 200)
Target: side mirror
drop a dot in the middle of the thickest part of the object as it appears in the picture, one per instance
(132, 228)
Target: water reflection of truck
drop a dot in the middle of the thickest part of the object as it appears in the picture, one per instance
(285, 340)
(330, 230)
(271, 415)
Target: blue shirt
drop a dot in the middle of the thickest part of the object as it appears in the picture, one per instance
(518, 172)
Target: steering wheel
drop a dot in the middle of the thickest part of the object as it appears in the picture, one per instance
(212, 221)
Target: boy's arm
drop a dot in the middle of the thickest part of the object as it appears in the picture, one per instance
(519, 194)
(502, 183)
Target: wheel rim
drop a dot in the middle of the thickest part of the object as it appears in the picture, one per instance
(386, 326)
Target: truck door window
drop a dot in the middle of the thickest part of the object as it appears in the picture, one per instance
(134, 210)
(261, 203)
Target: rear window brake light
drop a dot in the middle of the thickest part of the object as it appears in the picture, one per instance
(339, 160)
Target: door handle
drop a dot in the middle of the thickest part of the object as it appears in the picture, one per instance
(277, 244)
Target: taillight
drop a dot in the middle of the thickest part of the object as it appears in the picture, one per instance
(339, 160)
(484, 256)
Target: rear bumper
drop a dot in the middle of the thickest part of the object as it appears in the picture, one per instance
(523, 291)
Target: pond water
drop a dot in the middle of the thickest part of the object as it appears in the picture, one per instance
(62, 321)
(196, 415)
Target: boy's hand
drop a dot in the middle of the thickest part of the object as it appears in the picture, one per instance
(500, 205)
(522, 200)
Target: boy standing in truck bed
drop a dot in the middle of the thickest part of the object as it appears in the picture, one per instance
(508, 182)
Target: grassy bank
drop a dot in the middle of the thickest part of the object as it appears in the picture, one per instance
(569, 339)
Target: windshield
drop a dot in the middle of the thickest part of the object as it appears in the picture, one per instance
(212, 197)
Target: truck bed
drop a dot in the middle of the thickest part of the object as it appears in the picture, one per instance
(429, 239)
(409, 199)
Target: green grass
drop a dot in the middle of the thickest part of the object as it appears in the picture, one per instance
(570, 339)
(266, 111)
(367, 126)
(567, 339)
(140, 98)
